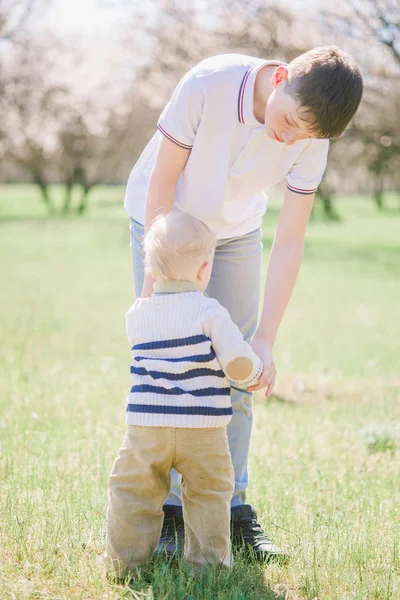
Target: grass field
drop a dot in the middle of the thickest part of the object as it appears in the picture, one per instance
(325, 461)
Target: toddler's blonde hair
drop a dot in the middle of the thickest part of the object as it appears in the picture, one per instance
(175, 245)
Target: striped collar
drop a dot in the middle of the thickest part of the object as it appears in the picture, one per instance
(246, 93)
(173, 287)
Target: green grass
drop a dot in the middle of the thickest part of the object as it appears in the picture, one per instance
(325, 460)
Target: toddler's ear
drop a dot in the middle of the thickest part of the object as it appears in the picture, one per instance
(202, 271)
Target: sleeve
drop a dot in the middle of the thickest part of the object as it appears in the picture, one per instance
(228, 345)
(306, 173)
(130, 321)
(180, 119)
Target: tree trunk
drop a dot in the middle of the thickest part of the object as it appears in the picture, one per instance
(329, 210)
(67, 198)
(378, 192)
(378, 195)
(44, 188)
(82, 206)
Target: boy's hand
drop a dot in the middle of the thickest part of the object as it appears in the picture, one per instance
(267, 379)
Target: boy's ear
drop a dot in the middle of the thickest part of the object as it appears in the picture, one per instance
(201, 271)
(280, 74)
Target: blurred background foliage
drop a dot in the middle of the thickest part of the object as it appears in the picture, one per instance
(78, 105)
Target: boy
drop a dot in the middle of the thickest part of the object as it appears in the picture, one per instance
(179, 405)
(235, 126)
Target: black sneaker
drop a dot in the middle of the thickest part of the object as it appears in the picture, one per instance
(248, 534)
(172, 534)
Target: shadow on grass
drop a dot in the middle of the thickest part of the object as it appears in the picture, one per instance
(174, 579)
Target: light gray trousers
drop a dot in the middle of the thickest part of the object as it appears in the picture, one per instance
(235, 283)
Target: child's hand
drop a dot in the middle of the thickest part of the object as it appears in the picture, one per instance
(268, 376)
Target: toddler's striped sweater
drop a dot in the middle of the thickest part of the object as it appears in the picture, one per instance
(181, 345)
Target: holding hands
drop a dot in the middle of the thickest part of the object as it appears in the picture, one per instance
(267, 380)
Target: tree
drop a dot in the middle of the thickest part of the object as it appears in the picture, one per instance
(13, 16)
(380, 139)
(377, 20)
(374, 29)
(33, 106)
(56, 134)
(92, 150)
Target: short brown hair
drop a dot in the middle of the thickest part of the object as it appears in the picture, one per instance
(328, 86)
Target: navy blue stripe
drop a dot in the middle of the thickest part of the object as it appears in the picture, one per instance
(240, 92)
(209, 411)
(192, 373)
(175, 343)
(198, 358)
(176, 391)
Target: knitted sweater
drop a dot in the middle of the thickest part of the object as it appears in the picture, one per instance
(181, 345)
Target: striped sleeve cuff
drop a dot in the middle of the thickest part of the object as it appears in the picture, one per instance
(300, 191)
(173, 139)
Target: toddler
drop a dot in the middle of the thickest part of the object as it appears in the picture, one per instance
(185, 353)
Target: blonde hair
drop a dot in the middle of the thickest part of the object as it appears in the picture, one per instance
(175, 245)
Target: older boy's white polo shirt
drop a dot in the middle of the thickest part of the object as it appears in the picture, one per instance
(232, 160)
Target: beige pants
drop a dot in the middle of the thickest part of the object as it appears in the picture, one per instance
(139, 484)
